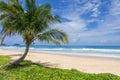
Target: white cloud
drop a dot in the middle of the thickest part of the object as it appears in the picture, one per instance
(76, 25)
(106, 31)
(96, 12)
(92, 6)
(83, 6)
(115, 7)
(73, 27)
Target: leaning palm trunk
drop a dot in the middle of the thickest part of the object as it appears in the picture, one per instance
(16, 62)
(1, 43)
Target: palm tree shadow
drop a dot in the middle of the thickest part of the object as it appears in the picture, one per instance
(15, 55)
(46, 64)
(28, 63)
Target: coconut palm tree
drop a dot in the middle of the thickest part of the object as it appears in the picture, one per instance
(32, 22)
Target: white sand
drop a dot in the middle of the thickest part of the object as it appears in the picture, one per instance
(81, 63)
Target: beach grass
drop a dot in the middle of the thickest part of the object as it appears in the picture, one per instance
(28, 70)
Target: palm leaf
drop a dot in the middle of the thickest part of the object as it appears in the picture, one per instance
(56, 36)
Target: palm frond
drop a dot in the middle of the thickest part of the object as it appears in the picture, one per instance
(14, 8)
(30, 4)
(3, 16)
(54, 35)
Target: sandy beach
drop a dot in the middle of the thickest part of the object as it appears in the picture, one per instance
(81, 63)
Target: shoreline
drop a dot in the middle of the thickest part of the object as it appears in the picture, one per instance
(77, 55)
(66, 54)
(82, 63)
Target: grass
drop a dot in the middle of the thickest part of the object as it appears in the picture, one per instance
(32, 71)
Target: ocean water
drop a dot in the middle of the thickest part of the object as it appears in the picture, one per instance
(100, 51)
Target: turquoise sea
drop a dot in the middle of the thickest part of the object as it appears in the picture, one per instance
(100, 51)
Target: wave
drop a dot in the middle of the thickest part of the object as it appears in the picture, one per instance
(62, 49)
(77, 50)
(71, 51)
(103, 50)
(12, 47)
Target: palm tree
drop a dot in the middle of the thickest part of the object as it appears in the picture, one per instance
(32, 22)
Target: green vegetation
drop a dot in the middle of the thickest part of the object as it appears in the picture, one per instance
(32, 71)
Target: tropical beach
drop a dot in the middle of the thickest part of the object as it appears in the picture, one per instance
(59, 40)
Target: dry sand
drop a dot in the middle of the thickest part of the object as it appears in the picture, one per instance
(81, 63)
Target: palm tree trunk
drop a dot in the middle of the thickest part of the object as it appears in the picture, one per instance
(3, 39)
(16, 62)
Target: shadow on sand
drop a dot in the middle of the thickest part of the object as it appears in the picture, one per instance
(15, 55)
(28, 63)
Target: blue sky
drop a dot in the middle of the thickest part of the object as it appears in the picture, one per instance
(86, 22)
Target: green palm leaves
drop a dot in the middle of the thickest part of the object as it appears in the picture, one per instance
(54, 36)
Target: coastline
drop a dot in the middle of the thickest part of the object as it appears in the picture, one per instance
(82, 63)
(75, 55)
